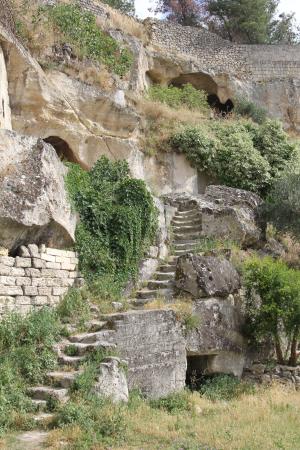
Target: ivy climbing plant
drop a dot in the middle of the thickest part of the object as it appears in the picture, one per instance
(118, 222)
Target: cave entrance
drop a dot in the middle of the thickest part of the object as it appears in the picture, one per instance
(205, 83)
(197, 370)
(62, 148)
(220, 108)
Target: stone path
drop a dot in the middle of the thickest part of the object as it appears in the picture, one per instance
(186, 227)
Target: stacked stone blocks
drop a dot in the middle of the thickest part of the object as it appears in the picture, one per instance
(39, 276)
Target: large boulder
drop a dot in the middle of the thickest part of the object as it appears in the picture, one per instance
(34, 205)
(206, 276)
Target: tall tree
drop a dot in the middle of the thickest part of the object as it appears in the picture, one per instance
(185, 12)
(250, 21)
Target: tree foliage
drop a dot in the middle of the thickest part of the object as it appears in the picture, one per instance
(118, 220)
(250, 21)
(125, 6)
(273, 305)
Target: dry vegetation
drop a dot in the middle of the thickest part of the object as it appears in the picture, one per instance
(267, 420)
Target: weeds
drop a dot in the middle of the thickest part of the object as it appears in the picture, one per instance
(225, 387)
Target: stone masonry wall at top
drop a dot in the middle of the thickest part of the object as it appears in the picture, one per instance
(39, 276)
(216, 55)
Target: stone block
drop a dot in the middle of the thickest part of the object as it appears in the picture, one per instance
(52, 273)
(62, 259)
(54, 282)
(59, 291)
(17, 272)
(53, 300)
(67, 282)
(40, 300)
(74, 274)
(4, 270)
(7, 281)
(46, 257)
(68, 266)
(24, 252)
(25, 309)
(6, 300)
(44, 291)
(10, 290)
(23, 281)
(70, 254)
(32, 273)
(53, 265)
(23, 300)
(55, 252)
(38, 263)
(7, 261)
(39, 282)
(30, 290)
(74, 261)
(33, 250)
(22, 262)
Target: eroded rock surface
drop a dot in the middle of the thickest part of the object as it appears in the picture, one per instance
(34, 205)
(112, 382)
(206, 276)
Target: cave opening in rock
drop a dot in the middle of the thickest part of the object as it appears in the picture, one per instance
(197, 370)
(205, 83)
(62, 148)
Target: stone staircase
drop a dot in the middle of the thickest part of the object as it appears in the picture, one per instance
(186, 232)
(98, 336)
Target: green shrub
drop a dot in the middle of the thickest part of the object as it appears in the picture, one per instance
(226, 152)
(238, 154)
(187, 96)
(244, 107)
(273, 305)
(118, 223)
(79, 27)
(174, 403)
(74, 307)
(225, 387)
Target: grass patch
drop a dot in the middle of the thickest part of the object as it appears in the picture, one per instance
(225, 387)
(189, 97)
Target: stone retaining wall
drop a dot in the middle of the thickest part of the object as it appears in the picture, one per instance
(39, 276)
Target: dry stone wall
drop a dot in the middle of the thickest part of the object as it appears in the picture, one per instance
(39, 276)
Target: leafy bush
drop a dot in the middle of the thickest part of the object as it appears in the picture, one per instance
(174, 403)
(225, 387)
(118, 222)
(244, 107)
(273, 305)
(175, 97)
(79, 27)
(239, 154)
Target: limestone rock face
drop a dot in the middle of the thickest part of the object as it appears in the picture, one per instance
(206, 276)
(34, 205)
(112, 382)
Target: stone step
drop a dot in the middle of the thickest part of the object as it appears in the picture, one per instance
(46, 392)
(63, 379)
(44, 419)
(160, 284)
(183, 252)
(186, 212)
(40, 404)
(71, 361)
(187, 229)
(186, 246)
(95, 325)
(167, 268)
(81, 349)
(178, 237)
(187, 218)
(152, 294)
(164, 276)
(89, 338)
